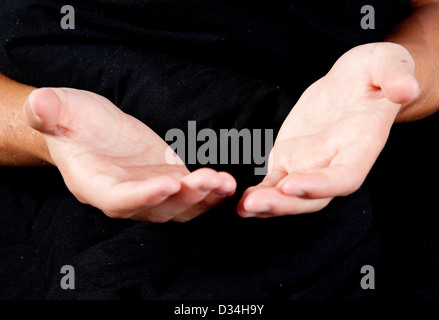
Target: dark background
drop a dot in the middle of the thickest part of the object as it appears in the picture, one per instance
(239, 65)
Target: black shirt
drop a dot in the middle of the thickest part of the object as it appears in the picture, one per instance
(225, 64)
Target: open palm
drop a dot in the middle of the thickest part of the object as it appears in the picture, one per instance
(114, 162)
(334, 134)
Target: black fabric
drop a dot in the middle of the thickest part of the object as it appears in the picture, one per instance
(225, 64)
(404, 196)
(217, 256)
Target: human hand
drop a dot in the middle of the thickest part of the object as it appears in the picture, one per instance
(334, 134)
(112, 161)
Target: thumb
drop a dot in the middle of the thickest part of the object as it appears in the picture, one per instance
(395, 70)
(43, 110)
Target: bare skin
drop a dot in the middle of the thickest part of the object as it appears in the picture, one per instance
(325, 148)
(114, 162)
(333, 135)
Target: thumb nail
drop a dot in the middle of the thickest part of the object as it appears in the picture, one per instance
(30, 105)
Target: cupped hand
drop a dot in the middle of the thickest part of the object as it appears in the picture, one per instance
(334, 134)
(112, 161)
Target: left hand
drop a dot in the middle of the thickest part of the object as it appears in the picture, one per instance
(334, 134)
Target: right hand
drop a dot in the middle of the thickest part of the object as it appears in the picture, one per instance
(114, 162)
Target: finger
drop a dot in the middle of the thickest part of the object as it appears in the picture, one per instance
(336, 180)
(124, 200)
(272, 179)
(215, 197)
(398, 85)
(42, 110)
(57, 111)
(194, 188)
(267, 202)
(227, 187)
(393, 69)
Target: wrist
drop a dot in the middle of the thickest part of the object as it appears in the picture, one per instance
(20, 145)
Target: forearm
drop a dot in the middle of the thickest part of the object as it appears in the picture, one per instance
(419, 34)
(20, 145)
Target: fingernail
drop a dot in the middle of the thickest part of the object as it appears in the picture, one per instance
(31, 107)
(251, 215)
